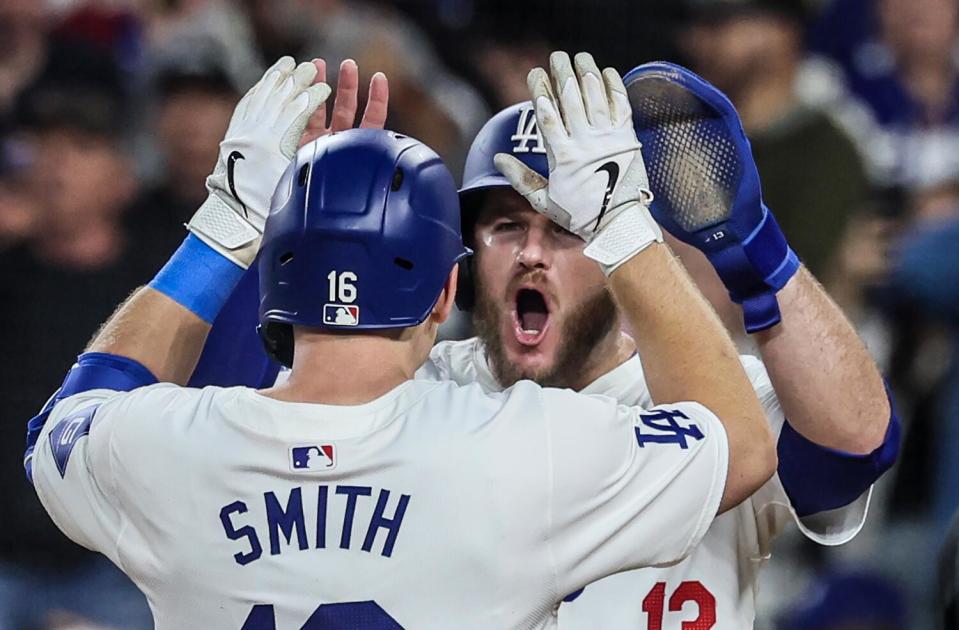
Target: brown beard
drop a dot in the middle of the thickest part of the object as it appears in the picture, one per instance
(584, 328)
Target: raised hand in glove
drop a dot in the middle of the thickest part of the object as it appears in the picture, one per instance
(262, 138)
(707, 185)
(597, 186)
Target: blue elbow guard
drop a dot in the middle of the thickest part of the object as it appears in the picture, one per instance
(93, 370)
(817, 478)
(101, 370)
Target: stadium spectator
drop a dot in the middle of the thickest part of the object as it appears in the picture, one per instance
(79, 180)
(190, 103)
(503, 65)
(949, 578)
(426, 100)
(18, 214)
(907, 263)
(845, 600)
(31, 50)
(812, 175)
(23, 51)
(908, 74)
(926, 277)
(898, 57)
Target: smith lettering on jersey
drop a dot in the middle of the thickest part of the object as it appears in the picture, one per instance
(285, 516)
(433, 506)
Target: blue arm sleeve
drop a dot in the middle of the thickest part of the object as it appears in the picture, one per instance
(817, 478)
(93, 370)
(233, 354)
(928, 271)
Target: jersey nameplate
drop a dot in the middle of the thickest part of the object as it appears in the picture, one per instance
(282, 521)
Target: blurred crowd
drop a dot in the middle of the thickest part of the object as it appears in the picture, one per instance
(110, 115)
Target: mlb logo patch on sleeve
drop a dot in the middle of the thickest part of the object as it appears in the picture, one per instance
(312, 457)
(65, 435)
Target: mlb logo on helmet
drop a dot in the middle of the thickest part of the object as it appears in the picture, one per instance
(312, 457)
(341, 314)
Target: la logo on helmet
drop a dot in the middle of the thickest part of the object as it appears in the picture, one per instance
(527, 132)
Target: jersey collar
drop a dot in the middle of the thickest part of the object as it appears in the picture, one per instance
(625, 382)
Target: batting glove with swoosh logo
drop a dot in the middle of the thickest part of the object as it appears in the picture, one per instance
(260, 142)
(597, 186)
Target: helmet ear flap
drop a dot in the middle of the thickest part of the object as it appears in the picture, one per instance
(470, 204)
(465, 287)
(277, 341)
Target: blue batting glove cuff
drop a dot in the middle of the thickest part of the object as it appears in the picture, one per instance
(753, 268)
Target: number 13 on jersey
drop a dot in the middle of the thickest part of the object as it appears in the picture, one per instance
(693, 591)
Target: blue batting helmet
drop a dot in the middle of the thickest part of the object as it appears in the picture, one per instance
(513, 131)
(363, 232)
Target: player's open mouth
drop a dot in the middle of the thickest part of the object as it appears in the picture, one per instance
(530, 317)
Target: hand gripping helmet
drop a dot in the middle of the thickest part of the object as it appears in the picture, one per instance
(363, 232)
(512, 131)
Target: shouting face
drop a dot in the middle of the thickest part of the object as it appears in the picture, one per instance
(542, 308)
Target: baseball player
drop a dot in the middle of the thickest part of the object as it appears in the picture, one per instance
(543, 312)
(353, 496)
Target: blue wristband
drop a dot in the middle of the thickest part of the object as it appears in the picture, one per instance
(755, 269)
(198, 278)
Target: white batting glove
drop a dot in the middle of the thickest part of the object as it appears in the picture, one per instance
(258, 146)
(597, 187)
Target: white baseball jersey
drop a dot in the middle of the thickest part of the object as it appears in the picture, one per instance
(434, 506)
(715, 587)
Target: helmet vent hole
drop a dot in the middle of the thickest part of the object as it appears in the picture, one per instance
(301, 177)
(285, 258)
(397, 180)
(402, 262)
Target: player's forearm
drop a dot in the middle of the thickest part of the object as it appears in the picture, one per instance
(163, 326)
(827, 383)
(687, 355)
(157, 332)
